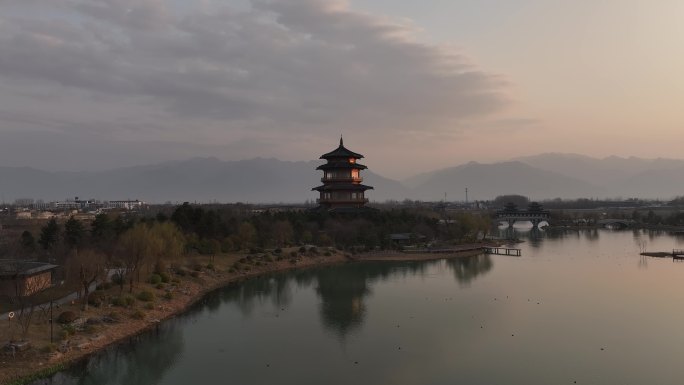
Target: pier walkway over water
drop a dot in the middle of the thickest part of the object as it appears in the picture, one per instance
(503, 251)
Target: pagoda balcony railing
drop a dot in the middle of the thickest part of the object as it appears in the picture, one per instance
(342, 200)
(343, 179)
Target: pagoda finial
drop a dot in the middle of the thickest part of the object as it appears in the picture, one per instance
(341, 141)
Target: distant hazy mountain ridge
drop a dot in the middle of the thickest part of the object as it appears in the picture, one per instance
(618, 177)
(486, 181)
(262, 180)
(199, 179)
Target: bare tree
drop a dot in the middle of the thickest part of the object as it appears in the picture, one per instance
(91, 270)
(282, 233)
(119, 277)
(137, 246)
(246, 235)
(167, 243)
(214, 248)
(27, 292)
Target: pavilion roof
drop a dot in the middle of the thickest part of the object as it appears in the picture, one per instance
(341, 152)
(342, 187)
(534, 206)
(510, 207)
(350, 210)
(335, 165)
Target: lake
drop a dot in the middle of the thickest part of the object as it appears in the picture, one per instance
(577, 306)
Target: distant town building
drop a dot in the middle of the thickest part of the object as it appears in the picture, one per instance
(24, 202)
(24, 215)
(44, 215)
(127, 204)
(85, 217)
(342, 188)
(74, 206)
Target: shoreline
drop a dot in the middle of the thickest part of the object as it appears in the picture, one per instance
(431, 257)
(660, 254)
(669, 228)
(418, 257)
(42, 366)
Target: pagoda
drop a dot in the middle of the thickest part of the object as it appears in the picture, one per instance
(342, 188)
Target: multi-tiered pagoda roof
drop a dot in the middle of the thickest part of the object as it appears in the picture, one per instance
(342, 187)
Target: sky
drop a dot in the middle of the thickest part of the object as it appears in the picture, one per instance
(414, 86)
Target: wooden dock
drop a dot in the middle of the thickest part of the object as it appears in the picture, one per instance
(678, 255)
(505, 251)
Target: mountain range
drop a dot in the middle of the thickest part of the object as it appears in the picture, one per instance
(260, 180)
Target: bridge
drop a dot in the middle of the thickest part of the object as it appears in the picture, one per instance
(535, 213)
(616, 223)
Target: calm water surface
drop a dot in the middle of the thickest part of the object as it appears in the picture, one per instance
(579, 307)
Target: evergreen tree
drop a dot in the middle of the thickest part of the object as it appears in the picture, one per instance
(28, 243)
(74, 232)
(49, 235)
(102, 230)
(121, 226)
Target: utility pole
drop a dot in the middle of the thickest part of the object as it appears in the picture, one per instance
(466, 196)
(51, 323)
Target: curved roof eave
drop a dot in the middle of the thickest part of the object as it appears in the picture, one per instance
(340, 187)
(333, 165)
(341, 152)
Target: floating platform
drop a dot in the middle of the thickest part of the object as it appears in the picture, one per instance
(677, 255)
(503, 251)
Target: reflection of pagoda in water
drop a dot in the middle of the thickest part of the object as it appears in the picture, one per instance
(342, 188)
(342, 292)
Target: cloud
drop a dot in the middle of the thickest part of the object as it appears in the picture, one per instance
(151, 69)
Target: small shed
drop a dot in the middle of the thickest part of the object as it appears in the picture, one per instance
(24, 278)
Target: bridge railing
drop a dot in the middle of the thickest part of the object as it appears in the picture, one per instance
(523, 215)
